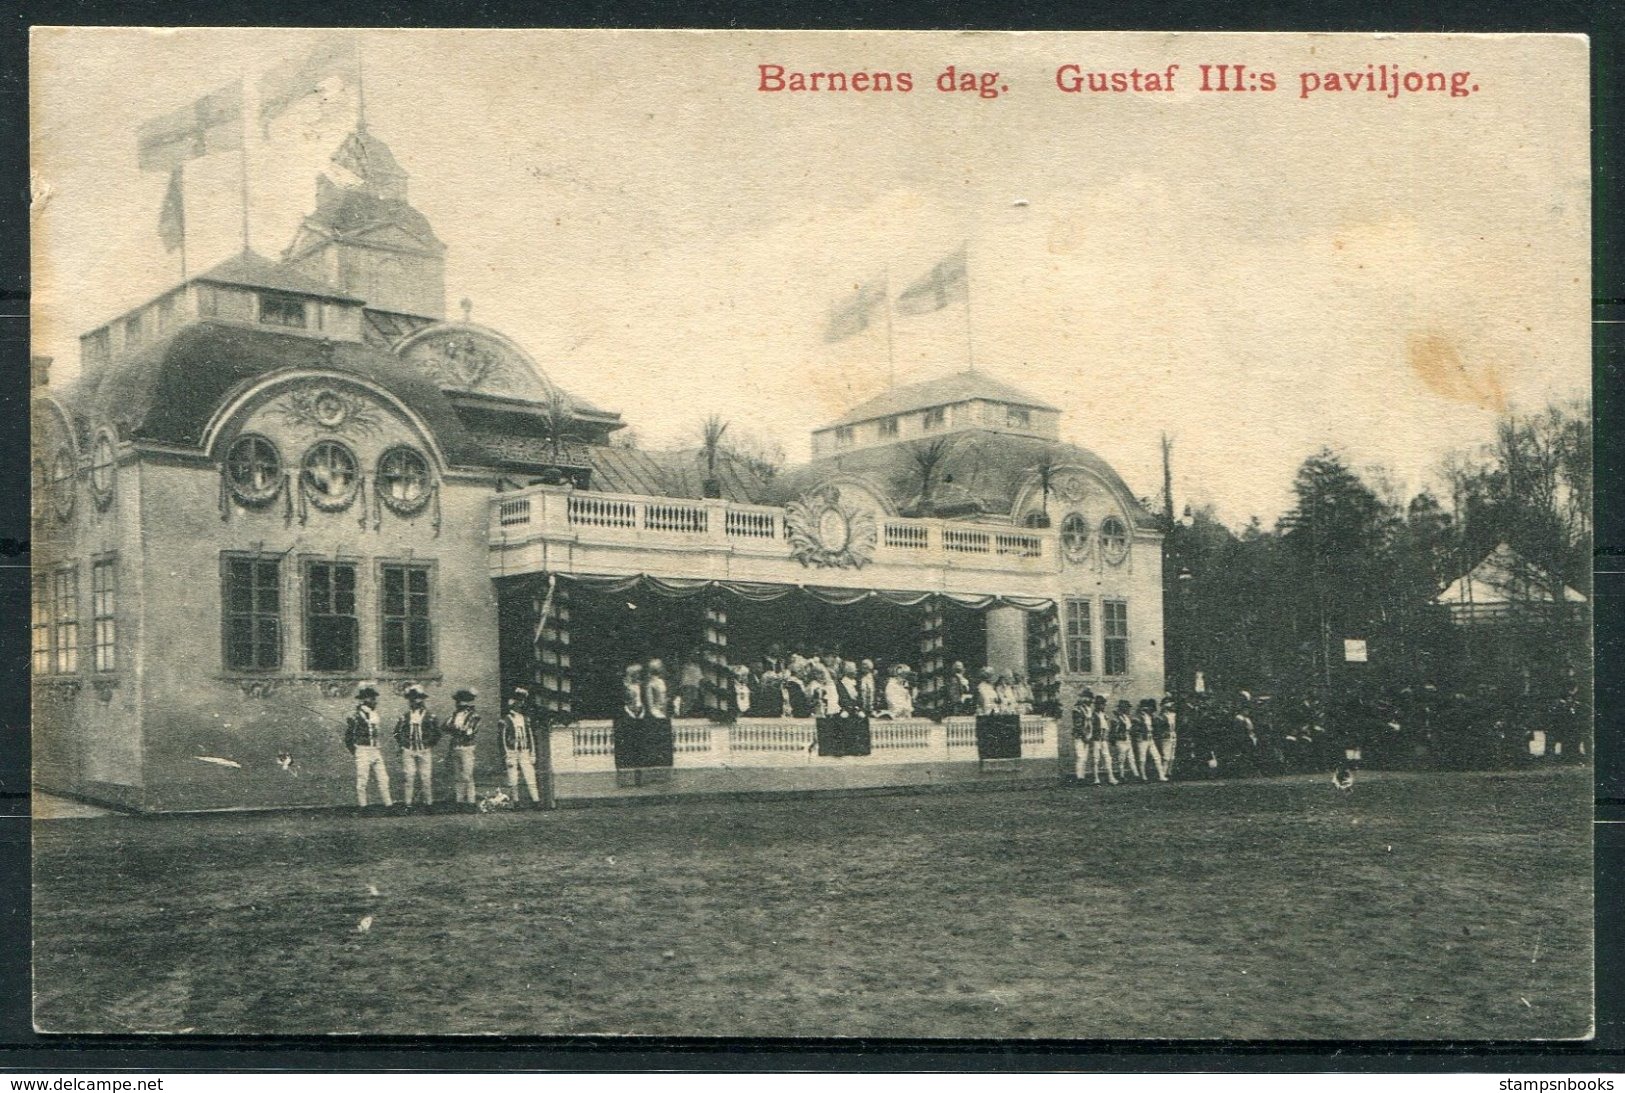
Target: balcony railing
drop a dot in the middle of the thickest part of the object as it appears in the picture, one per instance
(589, 746)
(628, 520)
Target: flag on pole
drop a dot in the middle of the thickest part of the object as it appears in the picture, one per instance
(947, 283)
(853, 315)
(333, 60)
(211, 124)
(172, 217)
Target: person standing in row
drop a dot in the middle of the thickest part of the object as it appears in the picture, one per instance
(1143, 734)
(868, 688)
(1166, 736)
(961, 695)
(519, 747)
(1121, 738)
(655, 703)
(899, 696)
(417, 732)
(987, 695)
(364, 737)
(1100, 730)
(462, 727)
(1082, 717)
(632, 691)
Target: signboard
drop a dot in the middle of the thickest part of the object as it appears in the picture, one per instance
(1354, 650)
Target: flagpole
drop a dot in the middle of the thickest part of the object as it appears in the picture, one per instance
(970, 348)
(891, 361)
(242, 166)
(360, 87)
(180, 180)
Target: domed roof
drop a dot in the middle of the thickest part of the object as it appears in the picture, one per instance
(170, 390)
(981, 473)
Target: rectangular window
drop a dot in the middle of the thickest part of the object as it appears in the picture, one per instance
(936, 417)
(332, 627)
(166, 313)
(133, 331)
(104, 614)
(888, 427)
(253, 614)
(65, 619)
(1115, 615)
(1017, 418)
(282, 310)
(42, 624)
(843, 437)
(1080, 638)
(407, 641)
(208, 301)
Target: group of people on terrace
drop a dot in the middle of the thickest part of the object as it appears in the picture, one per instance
(817, 684)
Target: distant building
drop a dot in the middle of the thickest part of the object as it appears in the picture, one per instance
(1506, 588)
(283, 479)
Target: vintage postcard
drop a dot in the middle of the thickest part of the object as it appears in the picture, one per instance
(745, 534)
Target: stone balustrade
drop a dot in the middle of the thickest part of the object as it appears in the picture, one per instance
(589, 746)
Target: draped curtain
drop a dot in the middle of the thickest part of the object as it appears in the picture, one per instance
(684, 588)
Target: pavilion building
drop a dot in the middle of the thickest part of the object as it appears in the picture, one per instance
(283, 479)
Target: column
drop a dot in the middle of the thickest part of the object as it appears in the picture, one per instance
(1007, 639)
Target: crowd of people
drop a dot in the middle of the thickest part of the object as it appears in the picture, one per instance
(821, 684)
(1409, 727)
(1204, 735)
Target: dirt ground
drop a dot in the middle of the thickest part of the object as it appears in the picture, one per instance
(1413, 906)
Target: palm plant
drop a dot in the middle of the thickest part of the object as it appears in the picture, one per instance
(711, 434)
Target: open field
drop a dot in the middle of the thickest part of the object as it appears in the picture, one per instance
(1415, 906)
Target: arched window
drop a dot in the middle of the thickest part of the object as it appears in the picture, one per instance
(254, 469)
(62, 472)
(42, 490)
(329, 474)
(1036, 519)
(403, 479)
(103, 465)
(1113, 539)
(1075, 536)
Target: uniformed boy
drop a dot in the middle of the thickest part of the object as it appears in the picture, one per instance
(417, 732)
(461, 728)
(519, 747)
(363, 736)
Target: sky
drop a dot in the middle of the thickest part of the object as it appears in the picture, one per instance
(1258, 275)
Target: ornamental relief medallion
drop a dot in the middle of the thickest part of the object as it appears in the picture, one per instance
(329, 410)
(471, 361)
(830, 533)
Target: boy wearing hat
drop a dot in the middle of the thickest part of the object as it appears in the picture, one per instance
(1120, 735)
(1100, 755)
(461, 728)
(362, 735)
(417, 732)
(1142, 732)
(519, 747)
(1082, 732)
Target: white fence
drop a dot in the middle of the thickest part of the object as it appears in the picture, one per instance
(628, 520)
(589, 746)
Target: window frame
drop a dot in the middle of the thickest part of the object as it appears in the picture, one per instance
(62, 484)
(1077, 639)
(934, 419)
(1018, 417)
(387, 621)
(243, 492)
(1079, 550)
(254, 614)
(103, 473)
(890, 427)
(65, 635)
(382, 478)
(104, 609)
(329, 502)
(309, 618)
(1110, 641)
(41, 660)
(286, 301)
(1114, 544)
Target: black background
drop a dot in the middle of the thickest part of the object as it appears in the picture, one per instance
(22, 1049)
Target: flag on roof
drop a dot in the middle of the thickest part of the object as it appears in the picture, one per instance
(211, 124)
(853, 315)
(172, 217)
(332, 66)
(947, 283)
